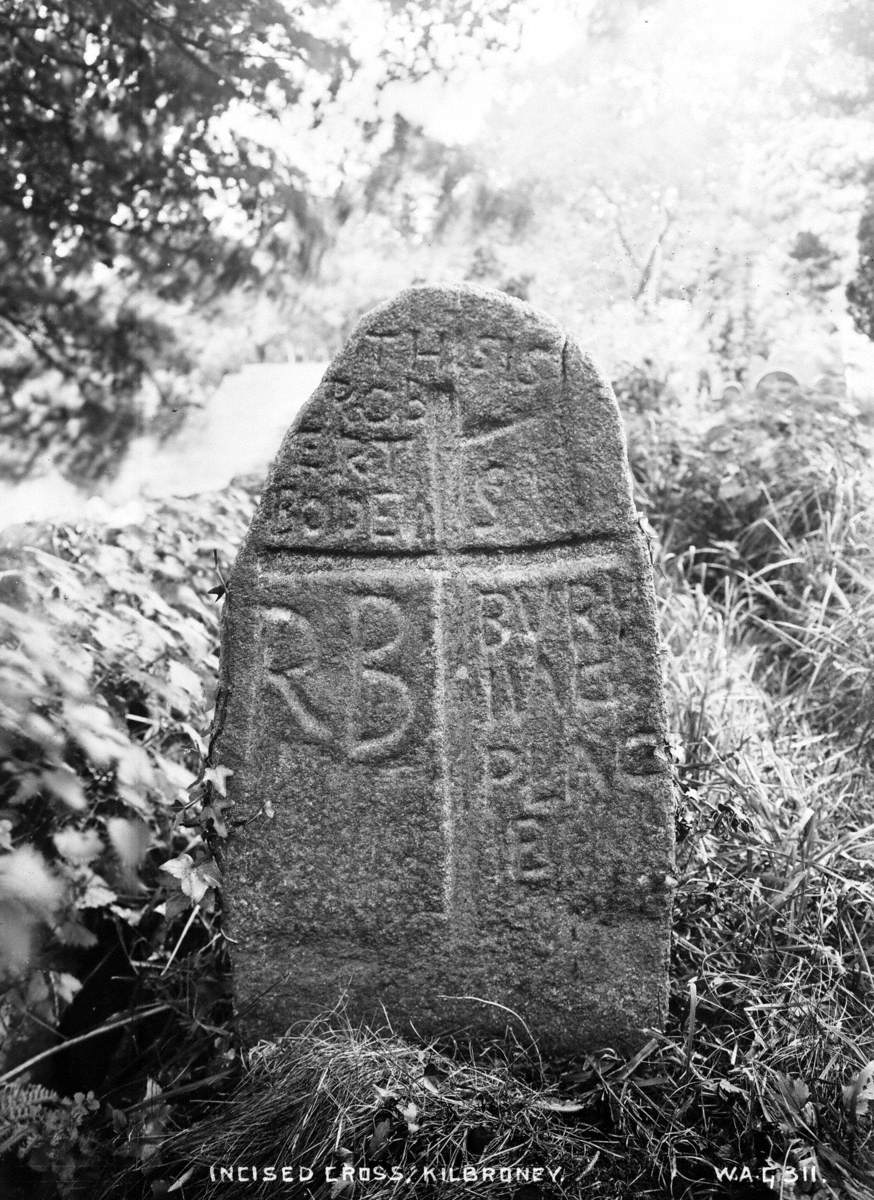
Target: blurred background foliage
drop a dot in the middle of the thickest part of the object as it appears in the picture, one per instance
(149, 170)
(187, 186)
(689, 187)
(115, 997)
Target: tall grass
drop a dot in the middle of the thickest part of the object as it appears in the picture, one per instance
(774, 924)
(814, 608)
(758, 1086)
(762, 1083)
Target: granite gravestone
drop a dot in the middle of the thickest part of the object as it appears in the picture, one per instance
(441, 695)
(776, 385)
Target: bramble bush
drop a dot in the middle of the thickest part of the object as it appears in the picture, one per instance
(773, 500)
(47, 1128)
(112, 828)
(736, 481)
(106, 685)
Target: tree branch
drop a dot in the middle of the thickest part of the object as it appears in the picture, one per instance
(620, 232)
(649, 267)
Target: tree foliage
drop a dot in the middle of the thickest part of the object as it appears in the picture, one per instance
(110, 153)
(142, 163)
(860, 290)
(848, 86)
(108, 821)
(110, 831)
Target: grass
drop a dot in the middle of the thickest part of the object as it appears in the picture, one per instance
(762, 1064)
(764, 1070)
(336, 1096)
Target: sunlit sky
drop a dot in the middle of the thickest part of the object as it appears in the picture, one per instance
(712, 45)
(691, 54)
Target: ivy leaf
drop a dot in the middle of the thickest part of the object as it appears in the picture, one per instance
(174, 907)
(178, 776)
(382, 1131)
(202, 878)
(25, 880)
(195, 880)
(218, 777)
(91, 890)
(184, 678)
(91, 726)
(78, 845)
(859, 1093)
(410, 1113)
(66, 986)
(130, 840)
(135, 768)
(178, 867)
(65, 785)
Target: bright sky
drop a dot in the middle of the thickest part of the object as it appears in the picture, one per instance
(710, 44)
(690, 51)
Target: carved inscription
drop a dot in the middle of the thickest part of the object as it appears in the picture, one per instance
(551, 643)
(488, 492)
(531, 855)
(513, 359)
(293, 661)
(381, 710)
(354, 469)
(441, 670)
(551, 666)
(512, 788)
(377, 515)
(360, 704)
(643, 754)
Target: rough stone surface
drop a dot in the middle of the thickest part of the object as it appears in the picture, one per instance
(777, 385)
(442, 697)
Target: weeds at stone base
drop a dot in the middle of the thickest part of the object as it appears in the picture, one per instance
(709, 1095)
(762, 1065)
(335, 1097)
(772, 1024)
(761, 1085)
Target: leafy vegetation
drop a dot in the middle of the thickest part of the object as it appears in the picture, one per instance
(187, 190)
(47, 1128)
(108, 879)
(860, 290)
(113, 837)
(149, 159)
(186, 187)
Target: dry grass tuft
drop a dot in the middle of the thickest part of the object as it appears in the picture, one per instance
(763, 1082)
(335, 1096)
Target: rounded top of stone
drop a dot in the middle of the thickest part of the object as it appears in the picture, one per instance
(456, 417)
(776, 381)
(425, 299)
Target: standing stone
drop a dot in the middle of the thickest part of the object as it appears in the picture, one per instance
(776, 385)
(442, 699)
